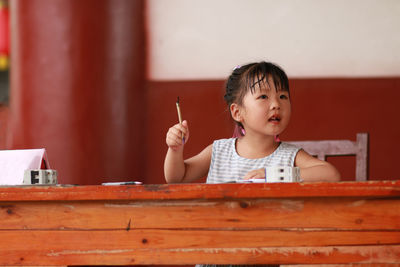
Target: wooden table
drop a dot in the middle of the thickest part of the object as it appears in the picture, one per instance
(348, 222)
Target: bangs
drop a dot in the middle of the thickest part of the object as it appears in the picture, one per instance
(259, 74)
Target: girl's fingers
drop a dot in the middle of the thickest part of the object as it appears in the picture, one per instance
(174, 140)
(249, 175)
(174, 132)
(181, 128)
(177, 135)
(185, 131)
(255, 174)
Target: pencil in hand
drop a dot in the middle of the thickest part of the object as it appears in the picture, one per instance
(179, 116)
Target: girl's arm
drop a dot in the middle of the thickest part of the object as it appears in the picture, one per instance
(315, 170)
(177, 170)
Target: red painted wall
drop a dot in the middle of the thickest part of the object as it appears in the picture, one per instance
(77, 77)
(322, 109)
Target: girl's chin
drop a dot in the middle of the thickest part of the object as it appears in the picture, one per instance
(275, 131)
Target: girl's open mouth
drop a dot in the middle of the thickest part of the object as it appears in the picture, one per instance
(275, 118)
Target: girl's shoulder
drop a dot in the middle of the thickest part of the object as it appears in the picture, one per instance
(224, 141)
(288, 148)
(224, 144)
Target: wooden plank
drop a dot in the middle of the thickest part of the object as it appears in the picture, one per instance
(190, 247)
(261, 255)
(328, 147)
(329, 213)
(200, 191)
(287, 255)
(172, 239)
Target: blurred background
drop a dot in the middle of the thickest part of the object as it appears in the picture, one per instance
(95, 81)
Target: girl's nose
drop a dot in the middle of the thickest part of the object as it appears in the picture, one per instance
(275, 103)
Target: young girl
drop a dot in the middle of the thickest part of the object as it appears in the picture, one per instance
(258, 98)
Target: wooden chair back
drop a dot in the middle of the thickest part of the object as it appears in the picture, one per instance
(324, 148)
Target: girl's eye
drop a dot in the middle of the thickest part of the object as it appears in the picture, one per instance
(283, 97)
(263, 97)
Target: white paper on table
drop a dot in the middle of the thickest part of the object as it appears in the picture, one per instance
(13, 164)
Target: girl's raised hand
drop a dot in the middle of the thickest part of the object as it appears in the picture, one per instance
(177, 135)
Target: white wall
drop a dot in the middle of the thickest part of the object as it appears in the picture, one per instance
(193, 39)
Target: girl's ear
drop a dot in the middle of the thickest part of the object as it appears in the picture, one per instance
(236, 112)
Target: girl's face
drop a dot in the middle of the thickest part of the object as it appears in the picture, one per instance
(266, 111)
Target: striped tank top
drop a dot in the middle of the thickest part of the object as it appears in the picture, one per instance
(227, 166)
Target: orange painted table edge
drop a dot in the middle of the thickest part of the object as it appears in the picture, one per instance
(390, 188)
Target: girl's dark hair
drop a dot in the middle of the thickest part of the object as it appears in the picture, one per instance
(245, 78)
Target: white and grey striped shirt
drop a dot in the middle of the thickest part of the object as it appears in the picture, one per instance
(226, 165)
